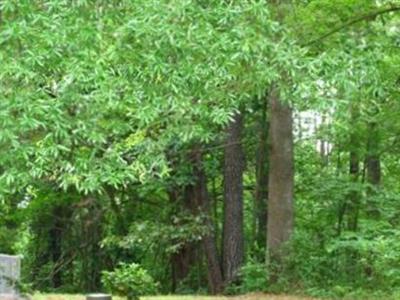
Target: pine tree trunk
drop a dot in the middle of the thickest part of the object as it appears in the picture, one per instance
(233, 239)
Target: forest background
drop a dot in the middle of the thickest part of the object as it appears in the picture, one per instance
(202, 146)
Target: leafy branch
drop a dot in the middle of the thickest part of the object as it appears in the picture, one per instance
(364, 17)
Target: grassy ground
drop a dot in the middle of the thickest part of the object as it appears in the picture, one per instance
(246, 297)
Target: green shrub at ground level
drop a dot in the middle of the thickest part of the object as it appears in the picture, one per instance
(129, 280)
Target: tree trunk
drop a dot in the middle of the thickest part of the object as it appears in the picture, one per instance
(55, 236)
(281, 176)
(182, 262)
(374, 170)
(373, 166)
(184, 259)
(233, 239)
(354, 172)
(90, 214)
(214, 272)
(324, 146)
(353, 201)
(261, 194)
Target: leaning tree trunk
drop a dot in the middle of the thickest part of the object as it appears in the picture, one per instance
(233, 239)
(281, 177)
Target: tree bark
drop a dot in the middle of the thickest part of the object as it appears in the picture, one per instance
(281, 176)
(233, 239)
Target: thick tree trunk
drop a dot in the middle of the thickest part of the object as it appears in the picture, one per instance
(281, 176)
(281, 166)
(233, 239)
(214, 272)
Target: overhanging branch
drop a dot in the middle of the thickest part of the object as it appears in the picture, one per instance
(364, 17)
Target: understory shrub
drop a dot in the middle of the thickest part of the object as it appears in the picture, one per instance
(129, 280)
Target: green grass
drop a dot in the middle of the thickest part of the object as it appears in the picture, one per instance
(245, 297)
(80, 297)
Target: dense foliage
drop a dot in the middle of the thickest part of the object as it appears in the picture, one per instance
(138, 140)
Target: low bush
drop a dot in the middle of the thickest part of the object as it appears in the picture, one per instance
(129, 280)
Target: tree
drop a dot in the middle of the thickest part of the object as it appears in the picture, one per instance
(234, 164)
(262, 171)
(214, 267)
(281, 167)
(281, 176)
(118, 117)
